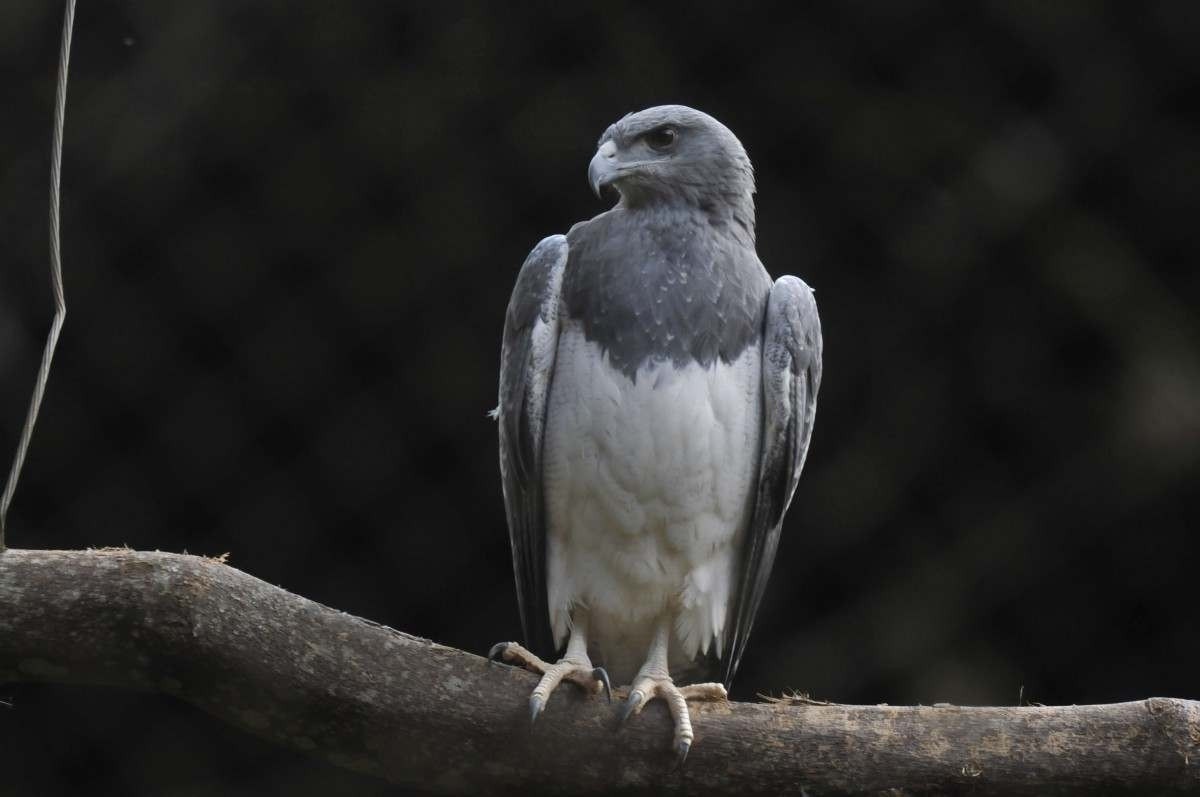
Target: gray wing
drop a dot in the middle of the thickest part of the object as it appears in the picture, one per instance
(526, 367)
(791, 377)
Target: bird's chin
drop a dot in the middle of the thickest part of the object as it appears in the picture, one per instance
(607, 190)
(604, 181)
(616, 181)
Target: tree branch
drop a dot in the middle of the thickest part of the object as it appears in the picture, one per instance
(385, 703)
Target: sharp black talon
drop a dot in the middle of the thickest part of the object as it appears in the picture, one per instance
(681, 751)
(536, 704)
(497, 651)
(635, 699)
(601, 675)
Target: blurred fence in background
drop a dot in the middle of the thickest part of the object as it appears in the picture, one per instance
(290, 230)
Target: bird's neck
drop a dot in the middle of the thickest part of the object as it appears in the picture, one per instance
(729, 216)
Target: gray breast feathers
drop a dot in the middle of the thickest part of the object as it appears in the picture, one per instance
(663, 285)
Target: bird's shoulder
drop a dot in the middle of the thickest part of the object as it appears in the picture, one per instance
(539, 277)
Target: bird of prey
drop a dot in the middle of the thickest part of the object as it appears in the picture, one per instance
(657, 398)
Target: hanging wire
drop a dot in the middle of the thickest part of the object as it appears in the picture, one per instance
(56, 281)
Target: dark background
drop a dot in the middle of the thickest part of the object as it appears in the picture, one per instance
(290, 231)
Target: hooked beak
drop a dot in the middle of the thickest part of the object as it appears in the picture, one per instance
(603, 168)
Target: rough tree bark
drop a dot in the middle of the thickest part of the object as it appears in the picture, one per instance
(385, 703)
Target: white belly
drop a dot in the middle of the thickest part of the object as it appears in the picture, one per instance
(647, 486)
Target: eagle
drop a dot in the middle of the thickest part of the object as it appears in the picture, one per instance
(657, 398)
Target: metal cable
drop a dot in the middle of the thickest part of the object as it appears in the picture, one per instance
(56, 281)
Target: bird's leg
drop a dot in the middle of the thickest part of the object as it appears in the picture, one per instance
(654, 680)
(574, 666)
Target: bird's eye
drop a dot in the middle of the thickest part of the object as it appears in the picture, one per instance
(662, 138)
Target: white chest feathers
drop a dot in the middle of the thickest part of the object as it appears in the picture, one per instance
(648, 490)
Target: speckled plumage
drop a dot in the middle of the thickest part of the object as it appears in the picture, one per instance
(662, 283)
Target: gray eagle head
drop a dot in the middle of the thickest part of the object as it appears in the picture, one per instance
(673, 153)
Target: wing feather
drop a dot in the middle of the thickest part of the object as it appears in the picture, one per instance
(526, 368)
(791, 378)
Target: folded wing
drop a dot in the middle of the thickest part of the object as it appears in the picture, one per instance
(526, 368)
(791, 377)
